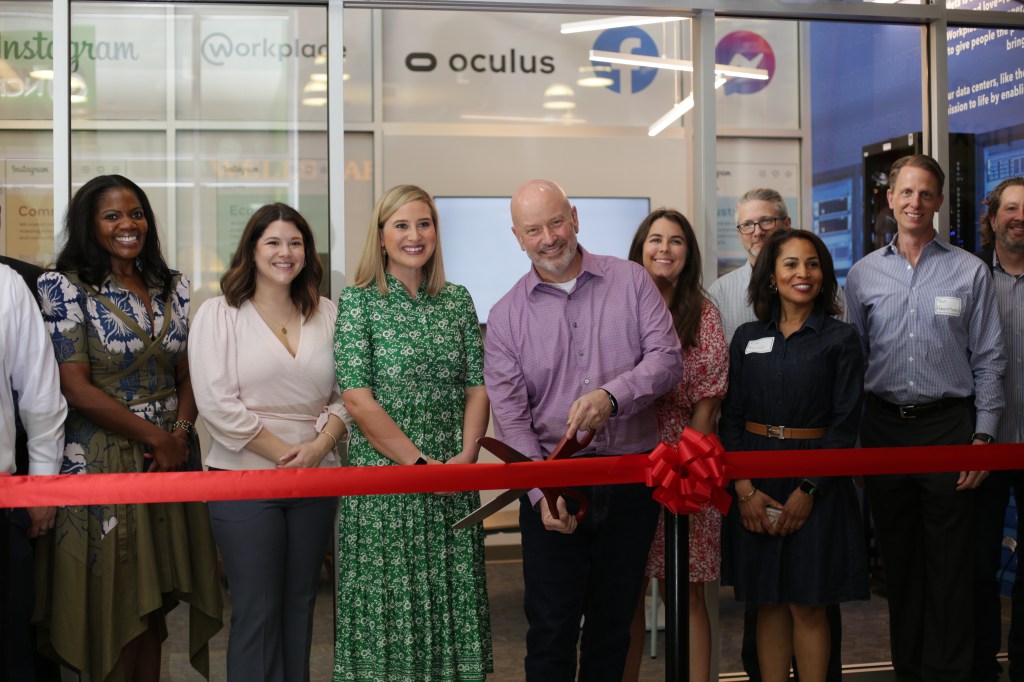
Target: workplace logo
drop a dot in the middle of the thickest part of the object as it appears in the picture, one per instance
(748, 49)
(630, 40)
(217, 48)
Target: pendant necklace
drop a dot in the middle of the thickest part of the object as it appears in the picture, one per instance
(284, 327)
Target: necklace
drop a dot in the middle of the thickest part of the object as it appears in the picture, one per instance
(284, 327)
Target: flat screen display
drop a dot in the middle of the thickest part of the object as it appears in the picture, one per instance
(482, 254)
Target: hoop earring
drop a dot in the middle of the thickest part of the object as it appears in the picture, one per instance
(773, 287)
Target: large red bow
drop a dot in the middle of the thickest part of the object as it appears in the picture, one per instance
(689, 474)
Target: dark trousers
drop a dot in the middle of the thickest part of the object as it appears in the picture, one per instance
(925, 535)
(749, 651)
(272, 552)
(595, 574)
(22, 662)
(990, 514)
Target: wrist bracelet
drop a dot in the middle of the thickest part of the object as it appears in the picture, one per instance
(748, 495)
(331, 436)
(185, 425)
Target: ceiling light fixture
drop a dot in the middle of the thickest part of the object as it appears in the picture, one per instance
(613, 22)
(678, 111)
(594, 77)
(674, 64)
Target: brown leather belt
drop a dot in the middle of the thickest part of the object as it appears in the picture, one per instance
(784, 432)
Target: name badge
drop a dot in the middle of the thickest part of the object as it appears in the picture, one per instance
(760, 345)
(950, 306)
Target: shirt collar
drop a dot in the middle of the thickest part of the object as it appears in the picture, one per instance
(814, 322)
(395, 285)
(890, 248)
(589, 267)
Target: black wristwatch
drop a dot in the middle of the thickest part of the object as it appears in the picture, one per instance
(808, 488)
(613, 401)
(984, 438)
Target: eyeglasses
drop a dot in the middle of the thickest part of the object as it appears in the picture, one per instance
(766, 224)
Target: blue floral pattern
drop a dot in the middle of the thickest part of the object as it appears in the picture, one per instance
(113, 567)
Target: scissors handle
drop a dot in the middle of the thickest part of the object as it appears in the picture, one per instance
(551, 496)
(569, 446)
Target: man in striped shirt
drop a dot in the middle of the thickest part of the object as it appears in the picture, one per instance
(927, 316)
(1002, 238)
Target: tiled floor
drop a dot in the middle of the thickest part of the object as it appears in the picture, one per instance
(865, 641)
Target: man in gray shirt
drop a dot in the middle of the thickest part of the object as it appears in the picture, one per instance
(1002, 238)
(927, 316)
(758, 212)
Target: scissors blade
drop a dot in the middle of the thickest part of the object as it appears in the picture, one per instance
(505, 453)
(498, 503)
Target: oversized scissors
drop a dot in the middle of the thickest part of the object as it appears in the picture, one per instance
(565, 448)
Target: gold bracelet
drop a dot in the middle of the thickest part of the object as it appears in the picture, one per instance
(331, 436)
(748, 495)
(185, 425)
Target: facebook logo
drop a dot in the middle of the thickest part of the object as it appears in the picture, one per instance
(628, 40)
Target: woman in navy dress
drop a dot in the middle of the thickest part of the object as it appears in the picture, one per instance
(794, 545)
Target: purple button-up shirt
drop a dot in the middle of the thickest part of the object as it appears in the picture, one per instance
(545, 348)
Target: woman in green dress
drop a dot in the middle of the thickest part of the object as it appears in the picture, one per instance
(118, 317)
(412, 592)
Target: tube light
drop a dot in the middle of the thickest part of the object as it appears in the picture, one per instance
(613, 22)
(674, 64)
(678, 111)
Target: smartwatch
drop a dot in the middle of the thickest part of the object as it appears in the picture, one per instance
(808, 488)
(984, 438)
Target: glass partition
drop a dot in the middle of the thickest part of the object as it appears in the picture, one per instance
(26, 150)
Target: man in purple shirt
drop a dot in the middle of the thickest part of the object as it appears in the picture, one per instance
(581, 342)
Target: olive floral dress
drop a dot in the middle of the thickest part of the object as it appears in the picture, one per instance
(109, 570)
(412, 592)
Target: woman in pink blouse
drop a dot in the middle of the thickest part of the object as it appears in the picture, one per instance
(263, 376)
(667, 247)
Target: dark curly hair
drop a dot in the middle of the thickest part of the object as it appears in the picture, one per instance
(992, 203)
(688, 297)
(239, 282)
(84, 256)
(762, 298)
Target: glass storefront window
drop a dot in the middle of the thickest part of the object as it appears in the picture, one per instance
(238, 127)
(502, 68)
(986, 115)
(26, 153)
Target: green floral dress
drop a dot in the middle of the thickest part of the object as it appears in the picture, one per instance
(412, 592)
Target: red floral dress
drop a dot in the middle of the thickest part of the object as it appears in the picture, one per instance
(705, 375)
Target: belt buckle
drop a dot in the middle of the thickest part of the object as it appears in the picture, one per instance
(776, 431)
(907, 411)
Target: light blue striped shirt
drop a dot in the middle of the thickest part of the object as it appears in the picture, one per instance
(930, 331)
(1010, 296)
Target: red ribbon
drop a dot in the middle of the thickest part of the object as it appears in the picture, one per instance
(689, 474)
(79, 489)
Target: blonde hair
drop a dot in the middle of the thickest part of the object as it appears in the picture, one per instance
(372, 263)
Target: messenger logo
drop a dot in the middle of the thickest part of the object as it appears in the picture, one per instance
(749, 49)
(630, 40)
